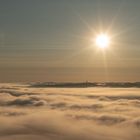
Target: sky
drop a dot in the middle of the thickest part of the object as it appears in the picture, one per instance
(51, 40)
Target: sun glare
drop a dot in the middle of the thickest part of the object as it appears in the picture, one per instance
(102, 40)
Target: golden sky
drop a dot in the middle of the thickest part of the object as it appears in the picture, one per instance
(51, 40)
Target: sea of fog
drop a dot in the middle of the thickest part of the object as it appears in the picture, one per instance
(28, 113)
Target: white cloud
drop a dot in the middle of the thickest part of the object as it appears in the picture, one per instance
(69, 114)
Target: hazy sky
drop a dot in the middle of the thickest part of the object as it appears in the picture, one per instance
(50, 40)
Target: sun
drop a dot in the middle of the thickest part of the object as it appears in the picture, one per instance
(102, 41)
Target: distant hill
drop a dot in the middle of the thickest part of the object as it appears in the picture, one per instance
(86, 84)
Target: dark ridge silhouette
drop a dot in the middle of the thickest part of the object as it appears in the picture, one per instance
(86, 84)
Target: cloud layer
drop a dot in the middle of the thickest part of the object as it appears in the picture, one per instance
(69, 114)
